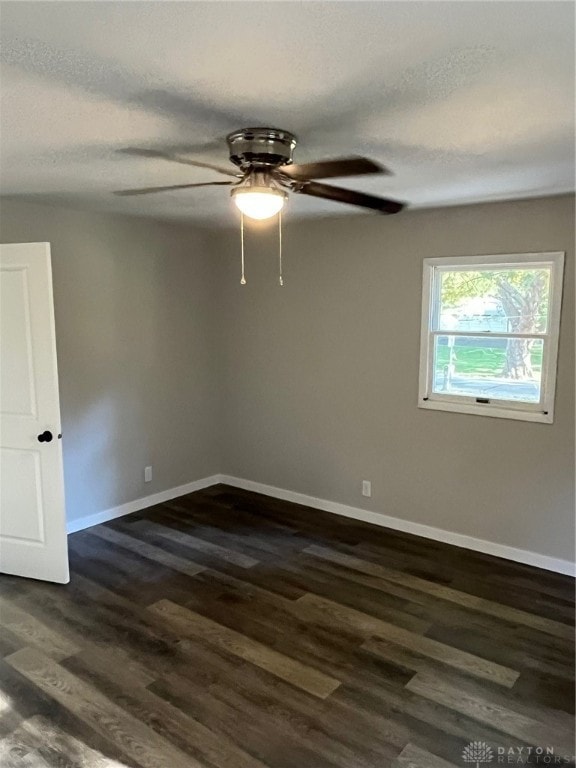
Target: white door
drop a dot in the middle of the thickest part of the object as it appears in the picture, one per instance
(32, 515)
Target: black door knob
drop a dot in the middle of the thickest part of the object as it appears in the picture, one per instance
(45, 437)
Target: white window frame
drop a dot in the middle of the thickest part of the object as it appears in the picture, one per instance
(504, 409)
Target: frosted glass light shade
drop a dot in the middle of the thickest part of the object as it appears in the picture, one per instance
(259, 203)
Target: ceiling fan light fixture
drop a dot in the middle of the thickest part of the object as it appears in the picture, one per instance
(259, 202)
(265, 167)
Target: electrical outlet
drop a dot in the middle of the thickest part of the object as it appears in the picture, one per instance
(147, 474)
(366, 488)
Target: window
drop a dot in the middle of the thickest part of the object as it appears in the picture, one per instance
(490, 335)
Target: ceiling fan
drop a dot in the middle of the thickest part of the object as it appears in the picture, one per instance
(265, 170)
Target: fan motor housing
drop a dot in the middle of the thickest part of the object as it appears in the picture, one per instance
(269, 147)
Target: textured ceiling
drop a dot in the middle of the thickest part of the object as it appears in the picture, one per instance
(465, 101)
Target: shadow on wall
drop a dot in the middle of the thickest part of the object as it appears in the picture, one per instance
(106, 384)
(91, 465)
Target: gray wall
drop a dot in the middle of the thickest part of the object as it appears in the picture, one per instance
(133, 303)
(165, 359)
(320, 376)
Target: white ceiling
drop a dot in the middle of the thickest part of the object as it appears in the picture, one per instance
(464, 101)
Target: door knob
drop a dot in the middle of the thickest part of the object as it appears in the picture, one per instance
(45, 437)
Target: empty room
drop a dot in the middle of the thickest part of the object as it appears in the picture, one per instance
(287, 384)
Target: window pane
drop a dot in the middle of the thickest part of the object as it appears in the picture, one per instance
(497, 300)
(499, 369)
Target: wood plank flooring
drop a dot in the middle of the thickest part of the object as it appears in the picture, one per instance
(229, 630)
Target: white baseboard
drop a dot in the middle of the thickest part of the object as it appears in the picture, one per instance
(406, 526)
(143, 503)
(376, 518)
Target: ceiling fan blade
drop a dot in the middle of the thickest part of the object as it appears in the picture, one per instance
(152, 190)
(339, 195)
(174, 158)
(328, 169)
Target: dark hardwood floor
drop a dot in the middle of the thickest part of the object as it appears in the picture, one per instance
(230, 630)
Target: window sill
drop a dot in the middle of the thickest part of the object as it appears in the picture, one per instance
(495, 411)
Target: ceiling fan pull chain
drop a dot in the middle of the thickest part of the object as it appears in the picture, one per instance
(242, 279)
(280, 280)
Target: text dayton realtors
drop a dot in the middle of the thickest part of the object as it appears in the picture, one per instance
(530, 756)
